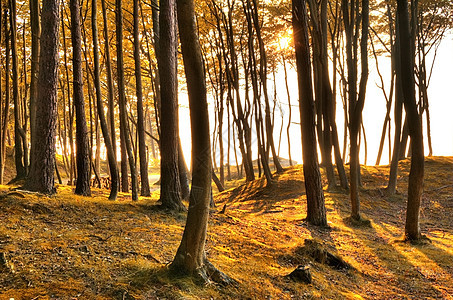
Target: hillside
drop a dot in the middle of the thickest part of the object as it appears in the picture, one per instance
(71, 247)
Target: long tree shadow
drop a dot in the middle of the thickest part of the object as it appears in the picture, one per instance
(261, 198)
(384, 257)
(441, 257)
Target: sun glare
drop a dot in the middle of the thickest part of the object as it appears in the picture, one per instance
(285, 41)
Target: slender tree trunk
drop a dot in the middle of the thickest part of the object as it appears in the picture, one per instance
(70, 106)
(41, 176)
(356, 103)
(113, 167)
(156, 44)
(290, 111)
(122, 97)
(7, 92)
(2, 140)
(140, 118)
(21, 171)
(316, 210)
(82, 147)
(184, 176)
(398, 115)
(35, 34)
(110, 88)
(123, 164)
(263, 77)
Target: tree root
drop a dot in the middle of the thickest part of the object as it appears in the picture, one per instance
(420, 241)
(204, 275)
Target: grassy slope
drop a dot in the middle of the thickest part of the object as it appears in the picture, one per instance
(70, 247)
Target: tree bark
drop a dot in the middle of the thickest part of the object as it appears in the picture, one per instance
(356, 103)
(35, 35)
(41, 176)
(2, 115)
(316, 211)
(124, 124)
(140, 117)
(416, 175)
(113, 167)
(190, 257)
(19, 142)
(170, 187)
(69, 106)
(110, 87)
(398, 115)
(82, 147)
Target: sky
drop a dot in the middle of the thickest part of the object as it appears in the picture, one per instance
(440, 93)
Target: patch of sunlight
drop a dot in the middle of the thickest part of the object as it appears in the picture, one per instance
(351, 295)
(390, 229)
(427, 267)
(443, 241)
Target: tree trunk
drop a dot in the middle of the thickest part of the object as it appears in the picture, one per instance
(316, 210)
(35, 34)
(290, 111)
(41, 176)
(7, 93)
(140, 118)
(100, 108)
(190, 257)
(82, 147)
(170, 186)
(184, 176)
(19, 143)
(263, 77)
(356, 103)
(398, 115)
(415, 188)
(124, 124)
(110, 88)
(2, 117)
(69, 106)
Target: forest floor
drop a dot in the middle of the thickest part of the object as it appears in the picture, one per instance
(71, 247)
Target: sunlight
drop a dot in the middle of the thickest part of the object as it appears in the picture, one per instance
(285, 42)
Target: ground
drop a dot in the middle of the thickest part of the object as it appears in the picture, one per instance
(72, 247)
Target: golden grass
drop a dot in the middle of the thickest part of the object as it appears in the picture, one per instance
(71, 247)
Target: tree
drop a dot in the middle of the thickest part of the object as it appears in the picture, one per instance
(140, 113)
(170, 186)
(20, 140)
(415, 188)
(190, 257)
(124, 124)
(82, 147)
(110, 92)
(324, 102)
(3, 114)
(316, 210)
(100, 107)
(356, 100)
(41, 175)
(35, 34)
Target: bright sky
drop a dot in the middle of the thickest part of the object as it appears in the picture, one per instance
(441, 108)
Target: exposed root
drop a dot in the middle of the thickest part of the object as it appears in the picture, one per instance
(205, 275)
